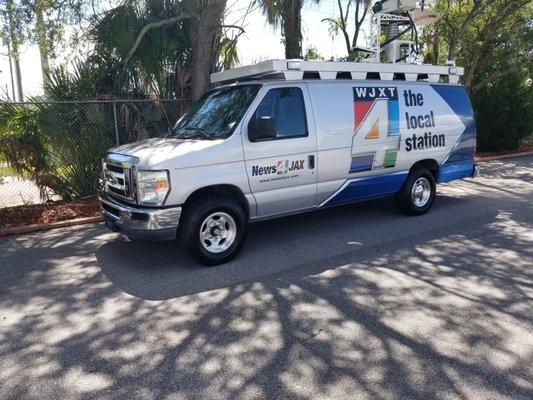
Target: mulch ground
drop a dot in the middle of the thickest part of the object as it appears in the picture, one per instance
(521, 149)
(48, 213)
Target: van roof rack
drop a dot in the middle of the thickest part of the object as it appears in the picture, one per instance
(296, 69)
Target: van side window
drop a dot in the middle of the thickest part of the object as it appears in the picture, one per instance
(286, 107)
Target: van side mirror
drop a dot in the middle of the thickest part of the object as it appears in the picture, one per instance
(263, 128)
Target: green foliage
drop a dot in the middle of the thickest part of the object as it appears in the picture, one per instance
(501, 87)
(92, 79)
(162, 51)
(38, 143)
(493, 41)
(24, 149)
(312, 54)
(78, 135)
(60, 143)
(82, 132)
(161, 64)
(45, 22)
(21, 144)
(228, 52)
(504, 113)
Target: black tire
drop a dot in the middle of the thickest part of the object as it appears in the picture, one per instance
(405, 199)
(194, 219)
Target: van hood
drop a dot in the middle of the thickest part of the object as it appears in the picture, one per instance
(170, 153)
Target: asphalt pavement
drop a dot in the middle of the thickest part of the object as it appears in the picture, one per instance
(356, 302)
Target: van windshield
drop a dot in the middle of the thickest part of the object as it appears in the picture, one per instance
(216, 114)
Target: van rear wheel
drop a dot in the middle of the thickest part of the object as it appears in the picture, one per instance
(213, 230)
(418, 193)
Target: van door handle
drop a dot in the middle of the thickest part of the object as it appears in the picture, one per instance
(311, 161)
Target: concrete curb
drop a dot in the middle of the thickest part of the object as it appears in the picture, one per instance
(504, 156)
(41, 227)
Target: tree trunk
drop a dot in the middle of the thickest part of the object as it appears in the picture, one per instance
(43, 47)
(11, 71)
(452, 49)
(191, 25)
(342, 25)
(469, 75)
(292, 28)
(359, 18)
(432, 43)
(18, 75)
(435, 47)
(204, 53)
(14, 52)
(472, 65)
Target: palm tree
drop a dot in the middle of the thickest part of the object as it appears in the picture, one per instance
(206, 36)
(145, 53)
(287, 14)
(165, 46)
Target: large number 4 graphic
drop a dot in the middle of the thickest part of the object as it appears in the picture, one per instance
(376, 138)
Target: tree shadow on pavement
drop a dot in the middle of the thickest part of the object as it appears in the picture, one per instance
(164, 270)
(439, 309)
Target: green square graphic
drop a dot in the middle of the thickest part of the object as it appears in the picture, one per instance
(390, 159)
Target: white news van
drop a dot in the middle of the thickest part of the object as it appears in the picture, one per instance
(287, 137)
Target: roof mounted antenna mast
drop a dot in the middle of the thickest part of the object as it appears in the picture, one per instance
(396, 18)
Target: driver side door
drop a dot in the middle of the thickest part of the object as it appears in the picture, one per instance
(282, 170)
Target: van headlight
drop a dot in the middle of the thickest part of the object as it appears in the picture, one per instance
(152, 187)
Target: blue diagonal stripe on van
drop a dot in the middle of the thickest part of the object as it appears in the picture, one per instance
(456, 170)
(367, 187)
(458, 101)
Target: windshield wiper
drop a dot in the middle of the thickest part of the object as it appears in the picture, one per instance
(197, 131)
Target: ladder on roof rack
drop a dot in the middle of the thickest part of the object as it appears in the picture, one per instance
(295, 69)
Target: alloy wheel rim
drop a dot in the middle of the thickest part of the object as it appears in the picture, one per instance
(421, 192)
(218, 232)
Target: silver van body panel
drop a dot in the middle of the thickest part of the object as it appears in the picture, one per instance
(193, 164)
(333, 106)
(362, 139)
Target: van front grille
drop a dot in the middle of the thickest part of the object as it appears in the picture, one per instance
(120, 192)
(115, 168)
(118, 181)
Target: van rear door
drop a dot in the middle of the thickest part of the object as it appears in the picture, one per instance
(282, 170)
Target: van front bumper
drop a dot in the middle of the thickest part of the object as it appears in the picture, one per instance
(140, 223)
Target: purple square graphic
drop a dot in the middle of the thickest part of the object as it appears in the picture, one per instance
(362, 163)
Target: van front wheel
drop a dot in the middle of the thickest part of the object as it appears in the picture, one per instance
(214, 230)
(418, 193)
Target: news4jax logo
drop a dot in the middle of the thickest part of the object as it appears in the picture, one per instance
(281, 167)
(376, 138)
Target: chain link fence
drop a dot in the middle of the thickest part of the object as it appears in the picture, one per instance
(53, 150)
